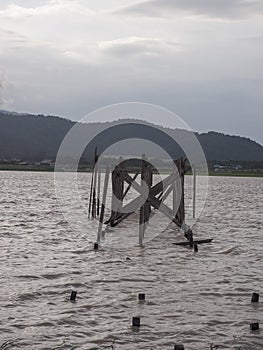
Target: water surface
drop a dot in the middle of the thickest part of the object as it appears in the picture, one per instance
(194, 299)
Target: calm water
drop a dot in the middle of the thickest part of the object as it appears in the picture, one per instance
(194, 299)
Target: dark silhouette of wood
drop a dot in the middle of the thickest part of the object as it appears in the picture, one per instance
(149, 196)
(94, 199)
(129, 186)
(104, 197)
(117, 193)
(92, 183)
(98, 191)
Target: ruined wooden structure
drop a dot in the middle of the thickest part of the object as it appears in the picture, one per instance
(153, 195)
(150, 195)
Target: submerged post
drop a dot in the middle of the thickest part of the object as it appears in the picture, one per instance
(94, 200)
(180, 215)
(98, 191)
(102, 210)
(117, 192)
(145, 209)
(194, 190)
(91, 197)
(147, 177)
(91, 192)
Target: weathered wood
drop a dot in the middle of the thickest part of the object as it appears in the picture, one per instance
(160, 186)
(199, 241)
(180, 215)
(91, 192)
(92, 181)
(167, 192)
(103, 203)
(98, 191)
(147, 178)
(129, 186)
(129, 208)
(149, 195)
(194, 190)
(94, 200)
(117, 193)
(157, 204)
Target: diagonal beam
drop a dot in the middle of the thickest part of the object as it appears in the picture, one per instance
(156, 203)
(154, 190)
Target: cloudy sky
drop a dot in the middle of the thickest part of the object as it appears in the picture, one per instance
(202, 59)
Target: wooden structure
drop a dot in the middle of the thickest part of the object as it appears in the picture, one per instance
(153, 195)
(150, 196)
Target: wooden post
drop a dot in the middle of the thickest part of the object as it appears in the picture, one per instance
(94, 200)
(142, 208)
(92, 181)
(98, 194)
(180, 215)
(104, 196)
(117, 193)
(91, 192)
(182, 184)
(194, 190)
(147, 178)
(129, 186)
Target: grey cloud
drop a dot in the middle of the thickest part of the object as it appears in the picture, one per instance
(253, 39)
(11, 37)
(136, 46)
(210, 8)
(1, 87)
(2, 81)
(28, 3)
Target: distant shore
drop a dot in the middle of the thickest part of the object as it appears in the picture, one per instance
(46, 168)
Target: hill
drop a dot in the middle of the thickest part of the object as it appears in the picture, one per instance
(37, 137)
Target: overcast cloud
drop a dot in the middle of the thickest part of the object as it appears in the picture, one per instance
(201, 59)
(224, 9)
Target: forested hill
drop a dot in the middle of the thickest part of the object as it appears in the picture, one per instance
(38, 137)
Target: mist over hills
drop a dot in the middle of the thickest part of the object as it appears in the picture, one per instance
(37, 137)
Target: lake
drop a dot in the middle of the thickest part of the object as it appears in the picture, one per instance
(191, 298)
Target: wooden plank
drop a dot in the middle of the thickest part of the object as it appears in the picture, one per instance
(199, 241)
(157, 204)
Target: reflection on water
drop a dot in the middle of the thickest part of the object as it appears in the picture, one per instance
(194, 299)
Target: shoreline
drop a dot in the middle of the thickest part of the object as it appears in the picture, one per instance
(248, 173)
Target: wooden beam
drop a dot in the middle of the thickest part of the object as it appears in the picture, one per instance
(129, 208)
(98, 192)
(94, 200)
(104, 197)
(156, 203)
(129, 186)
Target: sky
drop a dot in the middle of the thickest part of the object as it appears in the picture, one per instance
(202, 59)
